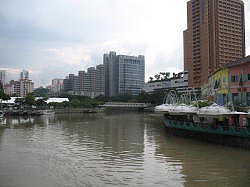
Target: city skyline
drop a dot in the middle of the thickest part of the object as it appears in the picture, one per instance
(53, 39)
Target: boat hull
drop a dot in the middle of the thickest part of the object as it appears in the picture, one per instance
(229, 137)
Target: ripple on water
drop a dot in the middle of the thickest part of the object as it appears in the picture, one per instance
(118, 149)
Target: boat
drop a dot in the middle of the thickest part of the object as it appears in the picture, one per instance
(213, 123)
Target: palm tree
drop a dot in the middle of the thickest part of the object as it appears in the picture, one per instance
(167, 74)
(157, 77)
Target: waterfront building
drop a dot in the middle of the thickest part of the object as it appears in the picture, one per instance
(123, 74)
(214, 37)
(2, 77)
(218, 86)
(230, 84)
(179, 83)
(239, 81)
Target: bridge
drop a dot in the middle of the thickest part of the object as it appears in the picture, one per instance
(123, 105)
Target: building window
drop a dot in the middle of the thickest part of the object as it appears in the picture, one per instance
(248, 77)
(248, 98)
(224, 80)
(234, 78)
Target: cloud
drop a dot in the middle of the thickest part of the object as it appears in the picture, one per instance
(55, 38)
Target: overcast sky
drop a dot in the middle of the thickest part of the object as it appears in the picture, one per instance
(52, 38)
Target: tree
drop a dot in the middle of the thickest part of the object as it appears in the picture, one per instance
(30, 99)
(41, 102)
(166, 76)
(3, 96)
(41, 92)
(151, 79)
(157, 77)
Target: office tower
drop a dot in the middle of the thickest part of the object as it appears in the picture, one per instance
(215, 36)
(123, 74)
(111, 74)
(2, 77)
(24, 74)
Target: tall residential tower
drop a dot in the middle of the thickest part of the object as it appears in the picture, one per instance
(215, 36)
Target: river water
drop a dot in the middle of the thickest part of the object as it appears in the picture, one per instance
(118, 149)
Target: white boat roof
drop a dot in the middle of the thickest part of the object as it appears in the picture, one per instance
(57, 100)
(11, 100)
(50, 100)
(214, 109)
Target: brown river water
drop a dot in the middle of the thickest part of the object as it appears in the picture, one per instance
(114, 149)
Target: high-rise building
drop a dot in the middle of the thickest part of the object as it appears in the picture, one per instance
(100, 80)
(111, 74)
(2, 77)
(123, 74)
(215, 36)
(24, 74)
(89, 83)
(26, 86)
(81, 79)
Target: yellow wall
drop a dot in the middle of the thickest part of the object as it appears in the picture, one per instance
(221, 76)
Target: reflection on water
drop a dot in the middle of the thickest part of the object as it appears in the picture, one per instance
(112, 149)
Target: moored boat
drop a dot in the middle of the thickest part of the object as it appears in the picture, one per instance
(212, 123)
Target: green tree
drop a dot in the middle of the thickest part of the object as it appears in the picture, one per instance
(41, 102)
(166, 76)
(30, 99)
(157, 76)
(41, 92)
(151, 79)
(3, 96)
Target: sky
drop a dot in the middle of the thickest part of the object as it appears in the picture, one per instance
(52, 38)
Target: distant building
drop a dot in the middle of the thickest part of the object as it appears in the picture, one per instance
(20, 88)
(10, 88)
(26, 87)
(215, 36)
(81, 75)
(24, 75)
(100, 79)
(56, 87)
(3, 77)
(89, 83)
(123, 74)
(68, 84)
